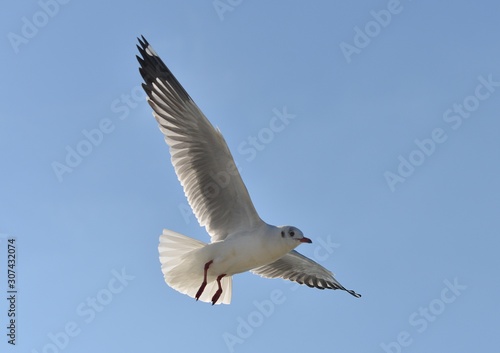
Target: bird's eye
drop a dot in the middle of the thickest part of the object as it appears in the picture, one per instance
(292, 233)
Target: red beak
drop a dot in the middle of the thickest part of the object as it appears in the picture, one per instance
(305, 240)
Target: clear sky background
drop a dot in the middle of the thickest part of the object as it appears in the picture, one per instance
(361, 82)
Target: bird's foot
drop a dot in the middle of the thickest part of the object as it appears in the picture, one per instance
(204, 283)
(200, 291)
(219, 291)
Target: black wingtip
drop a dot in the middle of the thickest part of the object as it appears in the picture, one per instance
(353, 293)
(144, 43)
(153, 68)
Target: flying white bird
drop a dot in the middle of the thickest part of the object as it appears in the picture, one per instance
(240, 240)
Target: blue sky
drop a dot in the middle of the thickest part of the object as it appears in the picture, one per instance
(388, 161)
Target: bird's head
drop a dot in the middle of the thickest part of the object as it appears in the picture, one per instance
(293, 236)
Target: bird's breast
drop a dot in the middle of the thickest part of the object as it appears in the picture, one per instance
(240, 254)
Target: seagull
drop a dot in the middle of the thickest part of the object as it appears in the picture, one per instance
(240, 240)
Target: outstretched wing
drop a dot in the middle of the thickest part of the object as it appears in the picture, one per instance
(299, 268)
(200, 156)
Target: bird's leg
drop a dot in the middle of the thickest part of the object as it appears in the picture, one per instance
(219, 291)
(204, 284)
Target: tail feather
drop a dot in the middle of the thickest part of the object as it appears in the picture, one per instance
(182, 266)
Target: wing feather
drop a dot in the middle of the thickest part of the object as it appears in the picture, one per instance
(301, 269)
(199, 153)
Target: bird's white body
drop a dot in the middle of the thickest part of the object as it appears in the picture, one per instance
(244, 251)
(183, 258)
